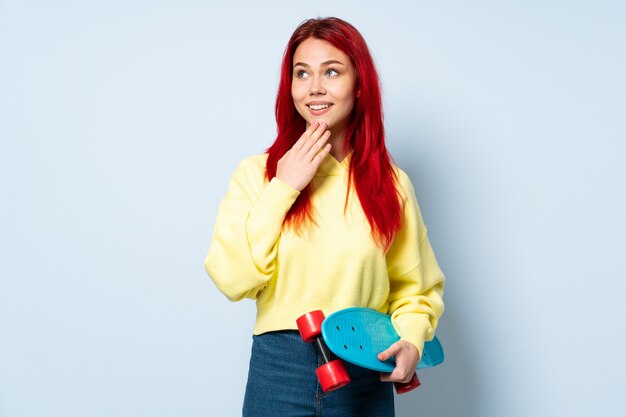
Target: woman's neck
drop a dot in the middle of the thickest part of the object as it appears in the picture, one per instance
(337, 140)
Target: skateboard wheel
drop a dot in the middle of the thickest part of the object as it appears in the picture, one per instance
(401, 388)
(332, 375)
(310, 325)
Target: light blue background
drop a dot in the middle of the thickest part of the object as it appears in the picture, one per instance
(122, 121)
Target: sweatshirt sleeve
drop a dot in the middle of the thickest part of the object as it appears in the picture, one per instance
(242, 253)
(416, 281)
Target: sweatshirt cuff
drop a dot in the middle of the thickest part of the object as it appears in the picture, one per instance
(414, 328)
(278, 196)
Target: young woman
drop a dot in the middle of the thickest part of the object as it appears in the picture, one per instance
(324, 220)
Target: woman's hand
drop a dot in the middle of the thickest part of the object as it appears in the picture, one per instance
(299, 164)
(406, 356)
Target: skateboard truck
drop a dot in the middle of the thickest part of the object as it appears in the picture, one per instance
(332, 374)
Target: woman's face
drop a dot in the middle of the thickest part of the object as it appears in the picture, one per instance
(323, 84)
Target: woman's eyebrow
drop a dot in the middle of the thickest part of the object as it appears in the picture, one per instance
(325, 63)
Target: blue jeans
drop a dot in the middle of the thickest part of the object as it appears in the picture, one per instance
(282, 383)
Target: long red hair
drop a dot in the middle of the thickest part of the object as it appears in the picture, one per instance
(371, 171)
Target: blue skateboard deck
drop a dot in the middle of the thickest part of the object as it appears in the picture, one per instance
(358, 335)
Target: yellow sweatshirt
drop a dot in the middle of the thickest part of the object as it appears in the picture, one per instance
(334, 264)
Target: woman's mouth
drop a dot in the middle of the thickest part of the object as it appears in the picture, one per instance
(318, 109)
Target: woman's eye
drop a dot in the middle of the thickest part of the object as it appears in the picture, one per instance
(301, 74)
(332, 72)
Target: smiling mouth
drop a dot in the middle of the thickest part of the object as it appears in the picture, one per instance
(318, 106)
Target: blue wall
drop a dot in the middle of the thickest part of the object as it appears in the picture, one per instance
(121, 122)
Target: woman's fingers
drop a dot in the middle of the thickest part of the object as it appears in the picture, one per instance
(406, 357)
(313, 137)
(306, 135)
(397, 376)
(392, 350)
(318, 144)
(317, 159)
(299, 164)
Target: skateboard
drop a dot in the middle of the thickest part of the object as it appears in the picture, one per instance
(358, 335)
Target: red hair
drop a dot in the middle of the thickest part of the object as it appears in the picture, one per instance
(371, 171)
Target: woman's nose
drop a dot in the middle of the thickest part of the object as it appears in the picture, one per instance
(317, 86)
